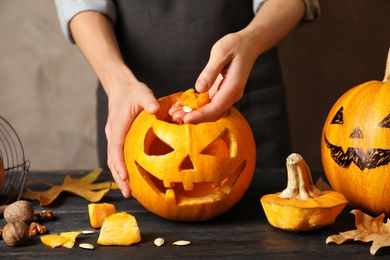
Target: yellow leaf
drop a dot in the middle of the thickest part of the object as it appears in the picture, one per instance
(369, 229)
(83, 187)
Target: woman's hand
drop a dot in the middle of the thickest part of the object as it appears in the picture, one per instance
(124, 103)
(232, 57)
(94, 35)
(225, 77)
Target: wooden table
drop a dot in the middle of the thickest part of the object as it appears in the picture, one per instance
(241, 233)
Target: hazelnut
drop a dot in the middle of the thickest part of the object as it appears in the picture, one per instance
(15, 233)
(19, 211)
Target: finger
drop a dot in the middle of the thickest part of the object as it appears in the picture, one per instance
(116, 135)
(220, 103)
(174, 108)
(208, 113)
(178, 115)
(150, 103)
(212, 71)
(122, 185)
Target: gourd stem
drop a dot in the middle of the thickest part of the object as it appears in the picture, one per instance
(387, 71)
(299, 180)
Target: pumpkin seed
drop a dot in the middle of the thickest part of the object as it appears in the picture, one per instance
(87, 232)
(86, 246)
(181, 243)
(159, 241)
(187, 109)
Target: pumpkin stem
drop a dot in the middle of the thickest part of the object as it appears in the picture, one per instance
(299, 180)
(387, 71)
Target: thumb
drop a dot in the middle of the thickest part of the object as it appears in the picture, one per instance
(209, 74)
(150, 104)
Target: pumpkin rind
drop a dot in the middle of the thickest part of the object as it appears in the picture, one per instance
(189, 172)
(356, 148)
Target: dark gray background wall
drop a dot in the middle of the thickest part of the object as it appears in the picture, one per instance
(347, 46)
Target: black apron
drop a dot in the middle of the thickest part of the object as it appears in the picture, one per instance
(167, 43)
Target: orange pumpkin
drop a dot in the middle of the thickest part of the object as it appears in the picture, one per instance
(355, 146)
(189, 172)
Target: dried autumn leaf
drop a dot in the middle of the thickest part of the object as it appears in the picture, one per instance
(83, 187)
(369, 229)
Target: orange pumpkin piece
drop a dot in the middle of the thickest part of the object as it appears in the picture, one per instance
(65, 239)
(98, 212)
(119, 229)
(53, 240)
(194, 100)
(71, 238)
(301, 206)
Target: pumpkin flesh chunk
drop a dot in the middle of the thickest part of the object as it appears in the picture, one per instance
(120, 229)
(64, 239)
(98, 212)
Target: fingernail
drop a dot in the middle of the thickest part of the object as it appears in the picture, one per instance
(202, 85)
(152, 107)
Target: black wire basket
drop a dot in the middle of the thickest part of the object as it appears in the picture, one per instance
(13, 166)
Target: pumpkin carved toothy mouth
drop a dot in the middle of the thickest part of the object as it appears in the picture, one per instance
(199, 192)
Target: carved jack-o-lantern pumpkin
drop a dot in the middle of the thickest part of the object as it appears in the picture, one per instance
(189, 172)
(355, 146)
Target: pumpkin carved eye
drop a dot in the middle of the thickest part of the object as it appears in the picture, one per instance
(154, 145)
(222, 146)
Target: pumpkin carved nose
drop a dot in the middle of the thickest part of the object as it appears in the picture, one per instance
(357, 133)
(186, 164)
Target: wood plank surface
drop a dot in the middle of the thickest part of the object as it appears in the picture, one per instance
(241, 233)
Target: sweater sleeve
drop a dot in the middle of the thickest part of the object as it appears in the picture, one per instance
(67, 9)
(312, 8)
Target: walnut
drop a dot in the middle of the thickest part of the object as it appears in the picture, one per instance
(19, 211)
(15, 233)
(45, 215)
(35, 229)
